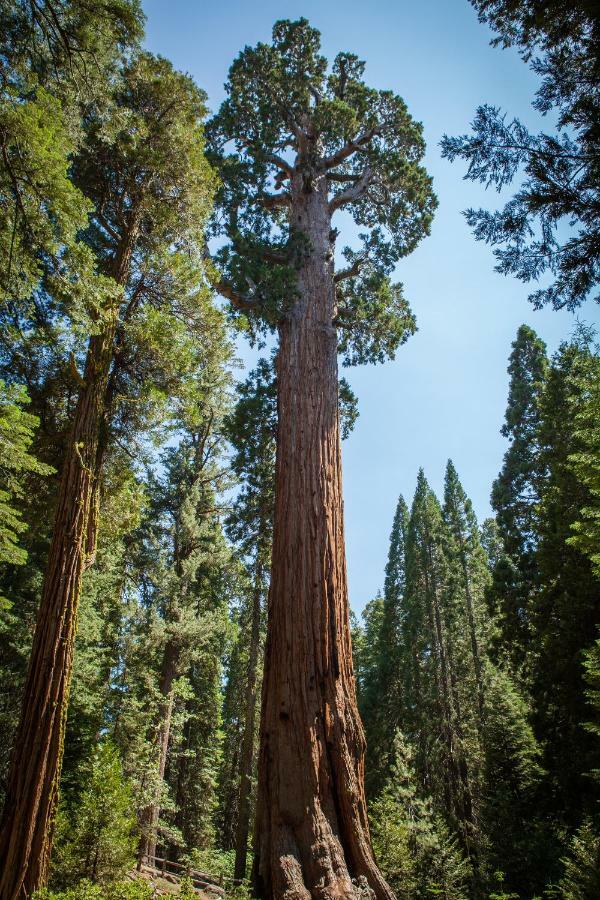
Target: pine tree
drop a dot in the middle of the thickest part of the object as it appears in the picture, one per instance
(294, 144)
(252, 431)
(550, 224)
(17, 429)
(470, 574)
(379, 698)
(565, 616)
(581, 879)
(515, 494)
(437, 721)
(585, 460)
(414, 847)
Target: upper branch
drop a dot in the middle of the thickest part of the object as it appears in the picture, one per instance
(354, 193)
(272, 201)
(351, 271)
(273, 158)
(226, 289)
(351, 147)
(239, 300)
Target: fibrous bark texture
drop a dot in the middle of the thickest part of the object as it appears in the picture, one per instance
(27, 824)
(32, 789)
(312, 835)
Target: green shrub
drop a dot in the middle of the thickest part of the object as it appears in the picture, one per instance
(87, 890)
(96, 837)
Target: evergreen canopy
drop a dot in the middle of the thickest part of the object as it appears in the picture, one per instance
(288, 113)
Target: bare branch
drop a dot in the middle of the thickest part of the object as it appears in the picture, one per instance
(342, 177)
(226, 290)
(352, 270)
(350, 148)
(272, 201)
(354, 193)
(275, 256)
(278, 161)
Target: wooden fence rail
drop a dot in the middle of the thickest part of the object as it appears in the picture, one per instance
(202, 880)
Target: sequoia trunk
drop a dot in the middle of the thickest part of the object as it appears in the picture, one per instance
(312, 835)
(26, 834)
(33, 782)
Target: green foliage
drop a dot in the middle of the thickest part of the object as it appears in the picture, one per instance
(515, 494)
(380, 660)
(96, 837)
(415, 850)
(581, 879)
(288, 115)
(87, 890)
(565, 615)
(551, 222)
(585, 402)
(60, 57)
(17, 429)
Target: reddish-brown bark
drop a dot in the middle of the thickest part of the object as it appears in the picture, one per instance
(312, 834)
(32, 787)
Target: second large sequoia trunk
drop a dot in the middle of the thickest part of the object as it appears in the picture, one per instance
(312, 830)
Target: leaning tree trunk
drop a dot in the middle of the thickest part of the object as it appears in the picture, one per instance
(312, 834)
(32, 789)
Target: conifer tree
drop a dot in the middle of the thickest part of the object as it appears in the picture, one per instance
(146, 174)
(515, 494)
(565, 615)
(191, 546)
(415, 849)
(252, 431)
(470, 573)
(585, 460)
(295, 143)
(96, 834)
(436, 719)
(17, 429)
(380, 702)
(550, 224)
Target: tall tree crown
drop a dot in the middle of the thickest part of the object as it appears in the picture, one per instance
(293, 125)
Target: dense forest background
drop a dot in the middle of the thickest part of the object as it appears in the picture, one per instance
(478, 664)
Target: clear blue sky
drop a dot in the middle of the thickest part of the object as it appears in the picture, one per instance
(445, 394)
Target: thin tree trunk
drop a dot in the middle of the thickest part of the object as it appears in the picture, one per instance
(32, 793)
(312, 834)
(247, 752)
(151, 814)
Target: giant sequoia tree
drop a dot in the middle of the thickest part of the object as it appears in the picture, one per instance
(296, 143)
(144, 169)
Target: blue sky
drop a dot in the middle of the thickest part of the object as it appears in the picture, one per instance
(445, 394)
